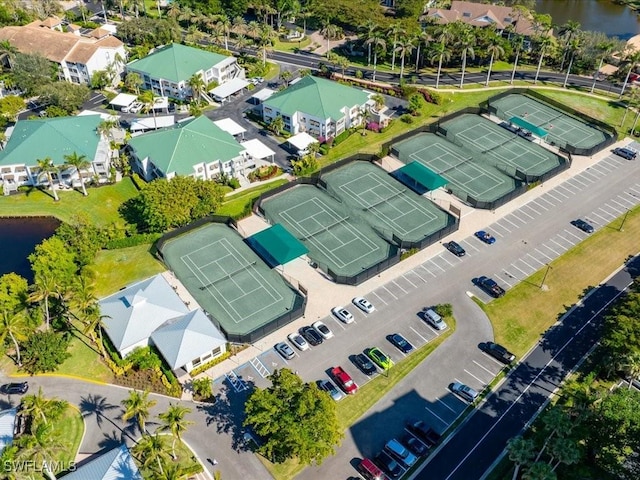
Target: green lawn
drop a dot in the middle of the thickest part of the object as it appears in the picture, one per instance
(521, 316)
(101, 205)
(291, 46)
(236, 203)
(350, 409)
(115, 269)
(185, 458)
(69, 430)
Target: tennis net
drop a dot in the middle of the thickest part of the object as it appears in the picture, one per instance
(325, 228)
(380, 202)
(229, 275)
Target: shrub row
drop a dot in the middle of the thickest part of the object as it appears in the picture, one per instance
(206, 366)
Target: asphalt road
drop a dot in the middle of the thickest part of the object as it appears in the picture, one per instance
(475, 446)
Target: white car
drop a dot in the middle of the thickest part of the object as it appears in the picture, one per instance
(363, 304)
(343, 314)
(464, 391)
(322, 330)
(299, 342)
(136, 107)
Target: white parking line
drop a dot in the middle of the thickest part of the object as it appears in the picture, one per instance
(535, 259)
(510, 276)
(540, 206)
(471, 246)
(557, 190)
(341, 323)
(634, 190)
(587, 172)
(604, 212)
(493, 374)
(562, 247)
(493, 359)
(543, 198)
(545, 256)
(523, 272)
(560, 237)
(497, 234)
(554, 252)
(498, 224)
(398, 285)
(428, 271)
(627, 203)
(416, 332)
(617, 211)
(380, 298)
(446, 406)
(550, 194)
(532, 268)
(442, 257)
(575, 179)
(599, 216)
(524, 213)
(417, 275)
(412, 284)
(389, 292)
(482, 382)
(435, 415)
(434, 263)
(574, 235)
(509, 221)
(566, 185)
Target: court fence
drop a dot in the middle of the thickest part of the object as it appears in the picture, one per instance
(610, 133)
(300, 294)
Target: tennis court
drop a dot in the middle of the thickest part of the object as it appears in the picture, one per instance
(228, 279)
(562, 129)
(385, 203)
(343, 243)
(502, 148)
(466, 175)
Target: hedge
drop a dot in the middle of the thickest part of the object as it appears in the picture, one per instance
(206, 366)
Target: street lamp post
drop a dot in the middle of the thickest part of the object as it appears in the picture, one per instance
(624, 219)
(545, 275)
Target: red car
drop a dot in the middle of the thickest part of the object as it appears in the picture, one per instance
(344, 380)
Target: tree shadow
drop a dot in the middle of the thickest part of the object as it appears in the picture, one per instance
(97, 406)
(110, 441)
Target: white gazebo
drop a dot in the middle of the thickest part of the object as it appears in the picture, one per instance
(231, 127)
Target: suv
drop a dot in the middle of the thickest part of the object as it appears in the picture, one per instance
(498, 352)
(424, 432)
(311, 336)
(15, 388)
(433, 319)
(400, 453)
(364, 364)
(455, 248)
(626, 153)
(331, 389)
(464, 391)
(490, 286)
(285, 350)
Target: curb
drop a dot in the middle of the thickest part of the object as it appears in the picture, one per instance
(59, 375)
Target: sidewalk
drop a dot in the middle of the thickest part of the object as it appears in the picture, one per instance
(320, 288)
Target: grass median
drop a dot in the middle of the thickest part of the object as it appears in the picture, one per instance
(350, 409)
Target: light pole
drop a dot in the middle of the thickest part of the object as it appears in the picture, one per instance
(545, 275)
(624, 219)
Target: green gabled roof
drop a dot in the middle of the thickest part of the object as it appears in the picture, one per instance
(180, 147)
(176, 62)
(51, 137)
(318, 97)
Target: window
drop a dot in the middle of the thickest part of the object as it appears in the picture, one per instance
(466, 14)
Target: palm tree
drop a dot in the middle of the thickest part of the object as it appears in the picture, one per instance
(423, 38)
(253, 29)
(151, 448)
(93, 327)
(138, 405)
(79, 162)
(342, 62)
(520, 452)
(575, 46)
(173, 421)
(285, 76)
(440, 52)
(605, 48)
(378, 101)
(633, 57)
(496, 50)
(567, 32)
(330, 32)
(394, 31)
(196, 83)
(276, 125)
(43, 288)
(8, 50)
(239, 25)
(631, 366)
(15, 326)
(148, 97)
(539, 471)
(46, 168)
(544, 44)
(557, 422)
(225, 26)
(40, 447)
(265, 40)
(517, 42)
(379, 46)
(404, 48)
(369, 33)
(564, 450)
(632, 102)
(38, 407)
(466, 42)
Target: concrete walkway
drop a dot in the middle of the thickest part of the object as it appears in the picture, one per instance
(320, 288)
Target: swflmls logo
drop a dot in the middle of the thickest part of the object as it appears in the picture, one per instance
(32, 466)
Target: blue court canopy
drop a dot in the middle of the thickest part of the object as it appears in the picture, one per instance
(522, 123)
(423, 175)
(276, 246)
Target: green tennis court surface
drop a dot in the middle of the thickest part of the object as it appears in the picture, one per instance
(345, 244)
(385, 203)
(228, 279)
(466, 175)
(561, 128)
(500, 147)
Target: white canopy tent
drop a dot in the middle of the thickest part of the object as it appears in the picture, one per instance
(123, 100)
(301, 142)
(231, 127)
(224, 91)
(259, 150)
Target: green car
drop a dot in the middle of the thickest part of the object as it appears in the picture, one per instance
(380, 358)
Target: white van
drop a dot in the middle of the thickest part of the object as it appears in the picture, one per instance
(433, 319)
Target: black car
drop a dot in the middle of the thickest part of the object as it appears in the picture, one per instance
(455, 248)
(311, 336)
(400, 343)
(424, 432)
(582, 225)
(15, 388)
(490, 286)
(364, 364)
(387, 463)
(415, 446)
(626, 153)
(498, 352)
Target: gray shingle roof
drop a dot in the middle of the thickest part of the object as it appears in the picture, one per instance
(137, 310)
(116, 464)
(183, 339)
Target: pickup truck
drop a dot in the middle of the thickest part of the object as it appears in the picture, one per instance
(344, 380)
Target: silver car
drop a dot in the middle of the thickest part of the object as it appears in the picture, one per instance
(322, 330)
(343, 314)
(363, 304)
(284, 350)
(331, 389)
(464, 391)
(298, 341)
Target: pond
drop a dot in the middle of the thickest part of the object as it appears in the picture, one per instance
(593, 15)
(18, 239)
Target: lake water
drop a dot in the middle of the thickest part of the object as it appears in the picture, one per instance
(18, 239)
(593, 15)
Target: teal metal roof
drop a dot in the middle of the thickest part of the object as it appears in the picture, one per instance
(32, 140)
(521, 122)
(116, 464)
(316, 96)
(276, 245)
(176, 62)
(180, 147)
(423, 175)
